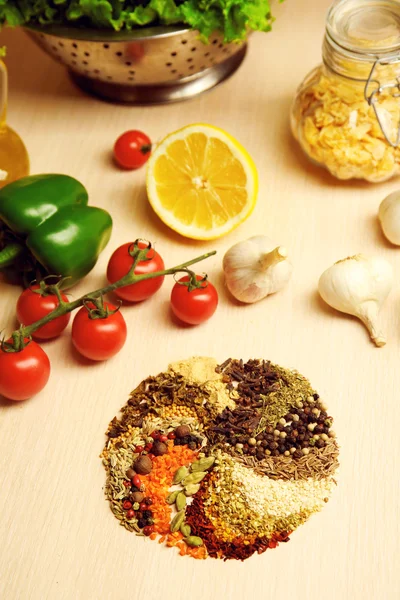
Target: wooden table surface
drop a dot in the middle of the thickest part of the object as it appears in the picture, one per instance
(58, 538)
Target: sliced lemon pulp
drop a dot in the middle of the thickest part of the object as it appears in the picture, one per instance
(201, 182)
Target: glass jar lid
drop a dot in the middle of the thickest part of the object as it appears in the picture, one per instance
(362, 44)
(365, 26)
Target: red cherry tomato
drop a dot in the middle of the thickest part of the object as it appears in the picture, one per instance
(119, 265)
(23, 374)
(132, 149)
(98, 339)
(195, 306)
(31, 307)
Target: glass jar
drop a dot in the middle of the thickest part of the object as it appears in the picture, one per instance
(14, 160)
(346, 113)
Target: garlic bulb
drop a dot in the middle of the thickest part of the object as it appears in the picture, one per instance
(358, 285)
(256, 268)
(389, 216)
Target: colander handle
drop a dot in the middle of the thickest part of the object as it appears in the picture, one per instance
(3, 92)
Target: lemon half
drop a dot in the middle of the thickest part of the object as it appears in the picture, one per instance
(201, 182)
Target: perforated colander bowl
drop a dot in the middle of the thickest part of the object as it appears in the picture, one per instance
(152, 65)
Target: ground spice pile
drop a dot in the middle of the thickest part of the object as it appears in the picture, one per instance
(220, 460)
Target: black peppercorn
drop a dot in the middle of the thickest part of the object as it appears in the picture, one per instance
(307, 410)
(148, 501)
(139, 514)
(273, 446)
(147, 514)
(289, 417)
(275, 452)
(135, 489)
(141, 523)
(192, 445)
(320, 443)
(298, 454)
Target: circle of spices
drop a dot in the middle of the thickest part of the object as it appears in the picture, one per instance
(220, 460)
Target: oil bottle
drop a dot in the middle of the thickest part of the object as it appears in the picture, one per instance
(14, 160)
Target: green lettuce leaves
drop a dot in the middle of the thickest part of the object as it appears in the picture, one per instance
(233, 18)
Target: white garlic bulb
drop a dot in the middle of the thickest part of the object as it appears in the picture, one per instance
(389, 216)
(256, 268)
(358, 285)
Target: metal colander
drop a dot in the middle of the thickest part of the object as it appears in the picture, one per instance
(148, 66)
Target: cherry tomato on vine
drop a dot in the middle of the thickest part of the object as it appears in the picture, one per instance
(132, 149)
(31, 307)
(119, 265)
(195, 306)
(25, 373)
(98, 338)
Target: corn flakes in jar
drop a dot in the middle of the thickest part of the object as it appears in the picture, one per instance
(346, 113)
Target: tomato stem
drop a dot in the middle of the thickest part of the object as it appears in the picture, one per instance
(9, 254)
(22, 336)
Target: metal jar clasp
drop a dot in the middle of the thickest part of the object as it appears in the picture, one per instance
(372, 96)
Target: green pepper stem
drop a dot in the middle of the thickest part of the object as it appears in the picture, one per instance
(131, 277)
(9, 254)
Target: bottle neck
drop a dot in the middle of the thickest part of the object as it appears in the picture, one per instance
(359, 66)
(3, 93)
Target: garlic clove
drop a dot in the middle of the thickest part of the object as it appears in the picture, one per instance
(358, 285)
(256, 268)
(389, 217)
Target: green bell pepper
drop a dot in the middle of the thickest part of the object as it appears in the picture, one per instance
(46, 220)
